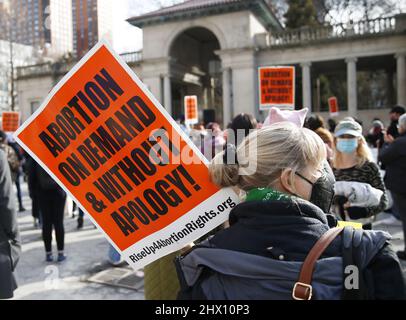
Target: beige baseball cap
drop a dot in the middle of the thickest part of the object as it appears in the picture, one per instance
(348, 127)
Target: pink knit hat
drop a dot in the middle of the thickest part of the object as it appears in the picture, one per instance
(277, 115)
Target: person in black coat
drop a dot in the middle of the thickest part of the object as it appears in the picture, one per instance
(10, 246)
(17, 150)
(395, 114)
(393, 156)
(51, 200)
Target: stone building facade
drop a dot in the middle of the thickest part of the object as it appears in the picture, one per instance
(214, 48)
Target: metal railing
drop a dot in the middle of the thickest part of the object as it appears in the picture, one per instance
(308, 34)
(132, 57)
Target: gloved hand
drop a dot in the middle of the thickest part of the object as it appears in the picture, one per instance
(331, 220)
(340, 200)
(357, 213)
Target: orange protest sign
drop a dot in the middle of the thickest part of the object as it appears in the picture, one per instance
(110, 144)
(333, 106)
(276, 87)
(10, 121)
(191, 113)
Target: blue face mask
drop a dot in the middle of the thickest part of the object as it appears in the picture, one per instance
(347, 145)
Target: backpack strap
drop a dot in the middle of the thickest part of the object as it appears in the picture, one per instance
(303, 289)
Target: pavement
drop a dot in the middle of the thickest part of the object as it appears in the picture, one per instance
(87, 258)
(86, 250)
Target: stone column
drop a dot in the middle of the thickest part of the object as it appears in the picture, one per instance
(153, 84)
(227, 108)
(401, 78)
(352, 86)
(242, 81)
(243, 90)
(154, 74)
(167, 94)
(306, 86)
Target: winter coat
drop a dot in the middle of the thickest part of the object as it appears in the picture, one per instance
(393, 156)
(261, 254)
(10, 246)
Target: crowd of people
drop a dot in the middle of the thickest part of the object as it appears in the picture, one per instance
(310, 178)
(357, 157)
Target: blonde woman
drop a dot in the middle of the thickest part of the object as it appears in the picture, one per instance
(281, 169)
(352, 162)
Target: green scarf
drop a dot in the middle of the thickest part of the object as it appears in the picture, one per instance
(266, 194)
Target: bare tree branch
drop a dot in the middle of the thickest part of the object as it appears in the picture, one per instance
(339, 11)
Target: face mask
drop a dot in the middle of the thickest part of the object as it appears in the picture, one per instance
(347, 145)
(323, 189)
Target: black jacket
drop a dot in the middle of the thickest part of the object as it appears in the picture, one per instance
(288, 230)
(9, 234)
(393, 129)
(39, 181)
(393, 156)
